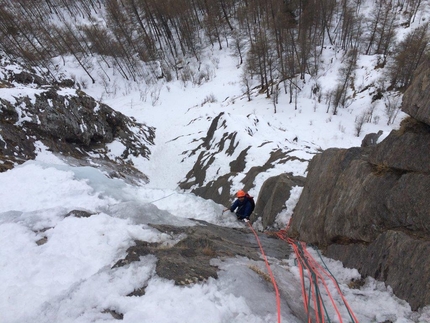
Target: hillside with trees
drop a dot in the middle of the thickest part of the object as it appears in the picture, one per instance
(276, 42)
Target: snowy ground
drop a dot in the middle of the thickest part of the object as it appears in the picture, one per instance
(69, 278)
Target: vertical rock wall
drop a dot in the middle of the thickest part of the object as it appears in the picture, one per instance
(369, 207)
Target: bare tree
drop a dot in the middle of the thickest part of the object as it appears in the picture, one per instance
(359, 122)
(246, 83)
(392, 107)
(238, 45)
(382, 29)
(345, 79)
(410, 53)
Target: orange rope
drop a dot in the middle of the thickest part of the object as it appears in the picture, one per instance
(304, 296)
(305, 260)
(278, 302)
(315, 273)
(315, 266)
(320, 268)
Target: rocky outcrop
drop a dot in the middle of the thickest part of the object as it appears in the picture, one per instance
(417, 97)
(67, 122)
(210, 180)
(369, 207)
(406, 149)
(190, 261)
(274, 192)
(270, 201)
(371, 139)
(397, 257)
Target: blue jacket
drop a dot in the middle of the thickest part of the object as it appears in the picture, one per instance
(244, 208)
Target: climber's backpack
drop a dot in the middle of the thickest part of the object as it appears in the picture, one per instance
(251, 199)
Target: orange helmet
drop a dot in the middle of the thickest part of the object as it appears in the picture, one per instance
(240, 193)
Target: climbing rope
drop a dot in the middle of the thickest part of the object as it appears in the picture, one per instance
(164, 197)
(278, 302)
(316, 275)
(327, 272)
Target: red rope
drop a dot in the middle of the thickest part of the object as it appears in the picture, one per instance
(317, 269)
(304, 296)
(278, 302)
(320, 269)
(314, 266)
(306, 261)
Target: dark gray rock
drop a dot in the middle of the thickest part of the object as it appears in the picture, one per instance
(197, 175)
(353, 198)
(67, 83)
(369, 207)
(398, 258)
(417, 97)
(72, 126)
(320, 216)
(25, 77)
(80, 120)
(406, 149)
(274, 192)
(79, 214)
(408, 202)
(239, 164)
(371, 139)
(189, 260)
(16, 146)
(219, 189)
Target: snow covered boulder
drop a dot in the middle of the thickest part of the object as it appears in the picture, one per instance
(68, 122)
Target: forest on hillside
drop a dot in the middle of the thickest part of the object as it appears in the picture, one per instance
(275, 41)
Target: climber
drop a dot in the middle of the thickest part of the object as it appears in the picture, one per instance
(244, 205)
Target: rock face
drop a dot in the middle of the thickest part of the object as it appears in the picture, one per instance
(369, 207)
(371, 139)
(190, 260)
(417, 96)
(201, 180)
(68, 122)
(274, 192)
